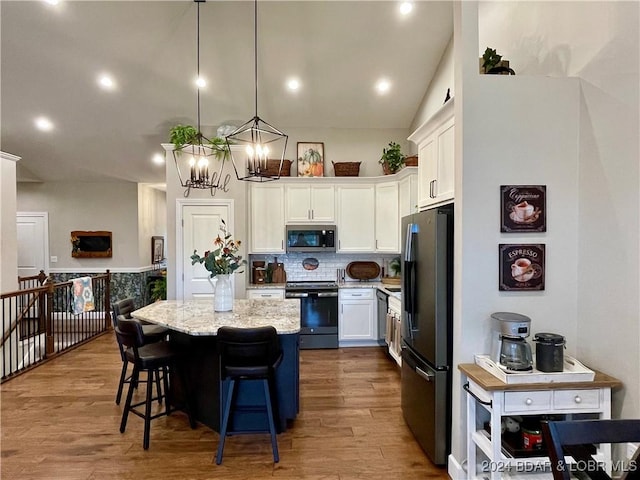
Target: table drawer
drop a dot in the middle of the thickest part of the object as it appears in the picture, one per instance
(576, 399)
(526, 401)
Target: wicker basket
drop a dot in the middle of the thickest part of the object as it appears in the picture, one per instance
(411, 161)
(346, 169)
(273, 165)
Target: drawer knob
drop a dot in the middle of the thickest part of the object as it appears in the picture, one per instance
(578, 399)
(528, 401)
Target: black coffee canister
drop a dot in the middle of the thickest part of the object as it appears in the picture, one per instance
(549, 352)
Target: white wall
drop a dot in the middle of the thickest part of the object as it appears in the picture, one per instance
(8, 228)
(152, 220)
(434, 97)
(87, 206)
(348, 145)
(578, 137)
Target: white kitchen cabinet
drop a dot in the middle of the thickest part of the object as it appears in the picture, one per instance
(408, 195)
(267, 218)
(357, 320)
(393, 337)
(356, 218)
(265, 293)
(436, 143)
(310, 203)
(387, 218)
(489, 400)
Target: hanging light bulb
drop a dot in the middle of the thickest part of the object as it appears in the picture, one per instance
(260, 138)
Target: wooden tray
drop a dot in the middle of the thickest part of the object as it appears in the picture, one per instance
(363, 270)
(391, 280)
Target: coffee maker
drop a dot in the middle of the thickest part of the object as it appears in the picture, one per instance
(510, 349)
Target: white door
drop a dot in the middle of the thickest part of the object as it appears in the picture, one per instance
(200, 227)
(33, 243)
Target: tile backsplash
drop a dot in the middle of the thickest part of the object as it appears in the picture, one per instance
(329, 263)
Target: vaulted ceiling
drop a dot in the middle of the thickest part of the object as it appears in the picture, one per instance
(51, 57)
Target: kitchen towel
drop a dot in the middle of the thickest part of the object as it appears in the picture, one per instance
(82, 295)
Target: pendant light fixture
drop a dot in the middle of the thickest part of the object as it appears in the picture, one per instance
(194, 153)
(259, 140)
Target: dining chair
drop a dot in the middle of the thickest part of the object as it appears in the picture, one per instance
(573, 437)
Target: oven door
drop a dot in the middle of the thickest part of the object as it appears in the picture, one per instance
(318, 312)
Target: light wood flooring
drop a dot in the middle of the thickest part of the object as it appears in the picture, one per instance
(60, 421)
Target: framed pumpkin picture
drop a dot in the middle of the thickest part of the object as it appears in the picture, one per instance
(310, 159)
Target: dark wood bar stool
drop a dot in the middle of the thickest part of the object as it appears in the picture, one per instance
(150, 358)
(246, 355)
(152, 333)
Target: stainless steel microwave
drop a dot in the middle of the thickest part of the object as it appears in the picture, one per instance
(311, 238)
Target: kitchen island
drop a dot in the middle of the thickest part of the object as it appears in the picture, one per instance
(193, 327)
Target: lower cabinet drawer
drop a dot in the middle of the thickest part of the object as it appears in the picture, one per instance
(525, 401)
(576, 399)
(266, 294)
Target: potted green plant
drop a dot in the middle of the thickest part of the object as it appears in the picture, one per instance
(392, 158)
(159, 289)
(182, 135)
(492, 63)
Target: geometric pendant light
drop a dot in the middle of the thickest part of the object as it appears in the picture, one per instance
(259, 141)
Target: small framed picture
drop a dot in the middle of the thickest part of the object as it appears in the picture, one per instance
(521, 266)
(523, 208)
(157, 249)
(310, 159)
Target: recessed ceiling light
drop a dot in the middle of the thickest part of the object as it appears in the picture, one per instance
(383, 86)
(44, 124)
(293, 84)
(106, 82)
(52, 2)
(406, 8)
(201, 82)
(158, 159)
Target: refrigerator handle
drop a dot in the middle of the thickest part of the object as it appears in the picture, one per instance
(427, 376)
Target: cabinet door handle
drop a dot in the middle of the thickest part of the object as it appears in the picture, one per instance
(312, 214)
(578, 399)
(528, 401)
(468, 390)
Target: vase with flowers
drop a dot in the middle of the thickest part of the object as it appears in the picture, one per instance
(221, 262)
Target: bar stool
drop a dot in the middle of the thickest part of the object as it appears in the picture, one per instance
(152, 333)
(150, 358)
(248, 354)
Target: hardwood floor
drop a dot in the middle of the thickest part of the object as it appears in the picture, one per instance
(60, 421)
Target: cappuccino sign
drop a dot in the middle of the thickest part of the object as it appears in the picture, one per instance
(521, 267)
(523, 208)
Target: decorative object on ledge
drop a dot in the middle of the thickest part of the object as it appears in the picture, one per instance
(492, 63)
(411, 161)
(192, 150)
(262, 141)
(310, 263)
(157, 249)
(310, 159)
(91, 244)
(392, 159)
(523, 208)
(346, 169)
(363, 270)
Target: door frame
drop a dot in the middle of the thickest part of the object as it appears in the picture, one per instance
(45, 218)
(180, 257)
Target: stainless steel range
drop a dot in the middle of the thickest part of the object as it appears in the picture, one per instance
(318, 312)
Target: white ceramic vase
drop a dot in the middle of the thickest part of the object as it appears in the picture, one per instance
(222, 294)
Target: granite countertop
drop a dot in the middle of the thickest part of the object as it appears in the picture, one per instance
(196, 317)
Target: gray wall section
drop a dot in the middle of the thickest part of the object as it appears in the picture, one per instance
(87, 206)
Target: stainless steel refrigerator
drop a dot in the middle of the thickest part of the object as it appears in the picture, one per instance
(427, 319)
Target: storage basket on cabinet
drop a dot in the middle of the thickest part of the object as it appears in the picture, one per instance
(346, 169)
(273, 165)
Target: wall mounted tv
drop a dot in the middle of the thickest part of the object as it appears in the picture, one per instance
(91, 244)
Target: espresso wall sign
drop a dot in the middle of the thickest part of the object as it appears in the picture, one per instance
(523, 208)
(521, 267)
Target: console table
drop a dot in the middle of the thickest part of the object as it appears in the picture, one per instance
(489, 400)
